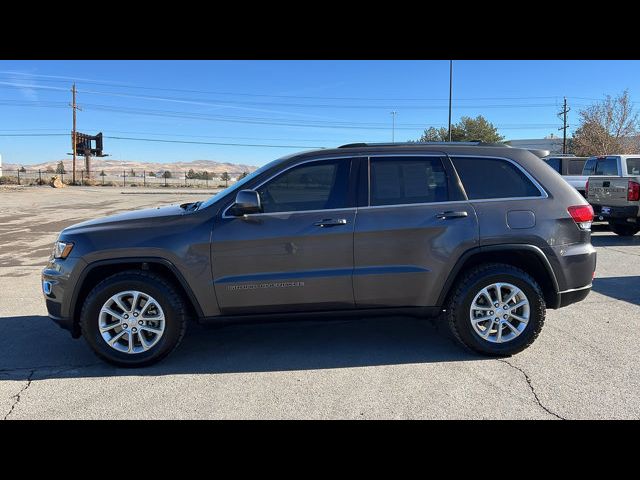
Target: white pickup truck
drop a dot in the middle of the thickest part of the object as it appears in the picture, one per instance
(571, 168)
(616, 197)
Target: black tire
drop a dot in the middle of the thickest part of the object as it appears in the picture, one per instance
(459, 304)
(154, 285)
(624, 229)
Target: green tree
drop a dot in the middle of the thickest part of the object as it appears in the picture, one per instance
(22, 170)
(609, 126)
(225, 176)
(151, 174)
(102, 174)
(132, 173)
(192, 174)
(166, 174)
(466, 130)
(242, 175)
(60, 168)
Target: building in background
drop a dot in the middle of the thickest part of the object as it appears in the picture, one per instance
(554, 144)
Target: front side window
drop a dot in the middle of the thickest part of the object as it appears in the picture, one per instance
(589, 167)
(406, 180)
(633, 166)
(485, 178)
(311, 186)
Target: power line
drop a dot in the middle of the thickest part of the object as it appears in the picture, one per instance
(48, 78)
(209, 143)
(221, 103)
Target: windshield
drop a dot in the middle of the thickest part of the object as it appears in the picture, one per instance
(238, 184)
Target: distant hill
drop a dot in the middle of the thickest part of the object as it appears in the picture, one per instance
(117, 166)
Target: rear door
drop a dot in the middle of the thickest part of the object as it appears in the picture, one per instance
(298, 253)
(415, 224)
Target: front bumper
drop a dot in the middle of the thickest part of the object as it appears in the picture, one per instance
(58, 281)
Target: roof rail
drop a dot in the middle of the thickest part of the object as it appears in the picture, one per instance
(471, 143)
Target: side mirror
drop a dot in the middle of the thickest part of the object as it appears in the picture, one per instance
(247, 201)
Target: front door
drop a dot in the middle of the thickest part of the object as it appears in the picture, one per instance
(298, 253)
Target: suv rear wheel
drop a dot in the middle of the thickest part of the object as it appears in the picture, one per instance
(624, 229)
(133, 319)
(496, 309)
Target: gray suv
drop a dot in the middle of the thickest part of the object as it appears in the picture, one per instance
(484, 236)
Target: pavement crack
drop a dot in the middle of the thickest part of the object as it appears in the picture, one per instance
(535, 395)
(18, 395)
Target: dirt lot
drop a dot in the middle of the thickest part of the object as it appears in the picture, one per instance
(583, 365)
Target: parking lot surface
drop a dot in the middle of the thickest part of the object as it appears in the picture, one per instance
(583, 365)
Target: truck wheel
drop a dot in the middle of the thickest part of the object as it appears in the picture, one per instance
(496, 310)
(624, 229)
(133, 319)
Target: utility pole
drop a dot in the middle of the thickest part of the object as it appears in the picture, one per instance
(393, 127)
(74, 107)
(450, 92)
(564, 127)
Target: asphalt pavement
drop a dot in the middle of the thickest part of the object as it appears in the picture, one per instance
(583, 364)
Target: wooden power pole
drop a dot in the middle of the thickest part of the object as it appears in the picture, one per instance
(564, 127)
(74, 107)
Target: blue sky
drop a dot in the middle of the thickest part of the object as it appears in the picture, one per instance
(295, 104)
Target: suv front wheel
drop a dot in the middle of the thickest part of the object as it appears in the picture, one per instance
(496, 309)
(133, 319)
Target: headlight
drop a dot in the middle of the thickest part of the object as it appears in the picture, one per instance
(62, 249)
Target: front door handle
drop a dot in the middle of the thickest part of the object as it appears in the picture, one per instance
(450, 214)
(331, 222)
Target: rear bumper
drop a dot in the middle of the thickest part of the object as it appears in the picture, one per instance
(572, 296)
(574, 266)
(615, 213)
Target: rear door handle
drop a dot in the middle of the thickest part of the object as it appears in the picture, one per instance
(331, 222)
(450, 214)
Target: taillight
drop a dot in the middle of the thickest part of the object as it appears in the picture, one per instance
(633, 192)
(582, 215)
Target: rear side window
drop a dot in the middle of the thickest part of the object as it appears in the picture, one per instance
(575, 167)
(554, 163)
(633, 166)
(484, 178)
(403, 180)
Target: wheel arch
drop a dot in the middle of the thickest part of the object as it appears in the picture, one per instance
(527, 257)
(99, 270)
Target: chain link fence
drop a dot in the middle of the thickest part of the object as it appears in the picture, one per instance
(124, 178)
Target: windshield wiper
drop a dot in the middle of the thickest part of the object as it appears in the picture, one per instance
(191, 205)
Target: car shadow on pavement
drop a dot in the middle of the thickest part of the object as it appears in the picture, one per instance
(620, 288)
(37, 347)
(614, 240)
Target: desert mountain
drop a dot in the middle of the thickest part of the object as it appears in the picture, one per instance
(112, 166)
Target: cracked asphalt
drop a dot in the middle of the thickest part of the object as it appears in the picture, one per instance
(583, 365)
